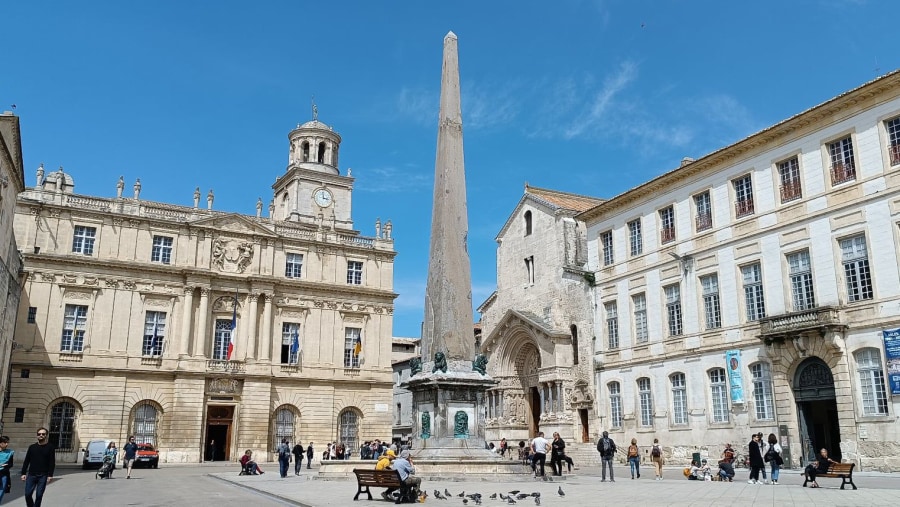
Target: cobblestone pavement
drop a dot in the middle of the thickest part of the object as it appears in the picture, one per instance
(585, 489)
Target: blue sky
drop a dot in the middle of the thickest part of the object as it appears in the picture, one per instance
(583, 96)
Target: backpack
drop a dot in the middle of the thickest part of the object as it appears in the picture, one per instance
(284, 451)
(655, 452)
(606, 446)
(632, 451)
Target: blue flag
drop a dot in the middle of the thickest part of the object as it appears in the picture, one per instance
(295, 346)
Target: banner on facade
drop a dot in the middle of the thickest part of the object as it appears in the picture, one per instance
(733, 360)
(892, 355)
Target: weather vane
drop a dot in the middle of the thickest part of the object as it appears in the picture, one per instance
(315, 110)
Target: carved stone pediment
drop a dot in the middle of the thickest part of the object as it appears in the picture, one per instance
(232, 255)
(237, 225)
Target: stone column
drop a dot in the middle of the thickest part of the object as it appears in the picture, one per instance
(543, 397)
(251, 325)
(265, 345)
(561, 396)
(200, 339)
(551, 391)
(187, 314)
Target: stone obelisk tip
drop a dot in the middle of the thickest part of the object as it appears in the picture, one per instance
(450, 35)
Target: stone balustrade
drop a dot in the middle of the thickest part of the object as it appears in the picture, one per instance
(221, 365)
(815, 318)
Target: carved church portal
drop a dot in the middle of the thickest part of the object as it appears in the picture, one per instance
(528, 362)
(816, 410)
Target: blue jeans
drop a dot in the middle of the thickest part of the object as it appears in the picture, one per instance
(35, 484)
(635, 463)
(298, 463)
(283, 464)
(4, 480)
(776, 469)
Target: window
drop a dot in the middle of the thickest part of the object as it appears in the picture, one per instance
(719, 395)
(528, 223)
(743, 196)
(635, 236)
(74, 324)
(893, 131)
(20, 415)
(762, 391)
(32, 314)
(640, 317)
(789, 173)
(801, 281)
(354, 272)
(83, 240)
(62, 426)
(871, 382)
(290, 342)
(293, 266)
(679, 399)
(711, 306)
(673, 309)
(704, 211)
(856, 268)
(529, 270)
(284, 426)
(646, 402)
(753, 292)
(352, 335)
(143, 427)
(221, 339)
(162, 250)
(615, 404)
(154, 333)
(607, 240)
(25, 373)
(843, 165)
(612, 324)
(349, 430)
(667, 224)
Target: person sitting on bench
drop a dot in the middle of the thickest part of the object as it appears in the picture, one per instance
(819, 467)
(384, 463)
(248, 466)
(403, 465)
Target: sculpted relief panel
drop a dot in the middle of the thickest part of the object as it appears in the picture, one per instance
(232, 255)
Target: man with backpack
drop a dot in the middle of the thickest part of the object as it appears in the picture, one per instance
(607, 449)
(284, 457)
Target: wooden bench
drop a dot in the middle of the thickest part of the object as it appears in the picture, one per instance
(842, 471)
(368, 477)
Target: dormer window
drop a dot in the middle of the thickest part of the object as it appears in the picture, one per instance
(528, 223)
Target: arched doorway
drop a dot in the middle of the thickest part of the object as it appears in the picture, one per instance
(816, 410)
(528, 362)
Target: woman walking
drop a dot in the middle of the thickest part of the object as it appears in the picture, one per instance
(634, 458)
(756, 460)
(773, 456)
(656, 457)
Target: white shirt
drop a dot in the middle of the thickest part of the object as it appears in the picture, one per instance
(539, 444)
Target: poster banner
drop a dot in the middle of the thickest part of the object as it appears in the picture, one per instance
(892, 356)
(733, 359)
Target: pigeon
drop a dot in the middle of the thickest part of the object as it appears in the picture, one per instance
(522, 496)
(551, 479)
(536, 494)
(461, 494)
(537, 500)
(465, 501)
(437, 494)
(493, 497)
(503, 497)
(546, 478)
(509, 499)
(561, 492)
(513, 492)
(447, 492)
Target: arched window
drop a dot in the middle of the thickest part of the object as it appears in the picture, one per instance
(718, 395)
(762, 391)
(574, 330)
(645, 398)
(284, 425)
(320, 156)
(615, 404)
(143, 426)
(305, 147)
(528, 223)
(679, 399)
(871, 382)
(349, 430)
(62, 426)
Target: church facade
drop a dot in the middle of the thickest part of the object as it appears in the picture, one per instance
(201, 331)
(536, 327)
(757, 290)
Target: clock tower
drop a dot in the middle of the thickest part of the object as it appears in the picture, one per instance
(312, 190)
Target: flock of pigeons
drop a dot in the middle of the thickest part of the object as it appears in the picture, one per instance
(510, 498)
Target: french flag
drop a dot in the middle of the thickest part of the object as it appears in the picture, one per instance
(233, 329)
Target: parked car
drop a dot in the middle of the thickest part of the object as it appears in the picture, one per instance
(93, 453)
(147, 456)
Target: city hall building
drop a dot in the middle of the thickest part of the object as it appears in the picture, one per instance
(755, 290)
(201, 331)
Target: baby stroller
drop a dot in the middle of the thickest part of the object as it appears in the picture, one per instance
(106, 469)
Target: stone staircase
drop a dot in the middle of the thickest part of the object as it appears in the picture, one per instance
(583, 454)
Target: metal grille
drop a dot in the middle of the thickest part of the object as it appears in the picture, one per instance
(871, 382)
(615, 404)
(612, 324)
(62, 426)
(856, 268)
(640, 318)
(349, 430)
(753, 292)
(284, 426)
(636, 237)
(679, 399)
(711, 306)
(801, 281)
(144, 423)
(673, 309)
(719, 395)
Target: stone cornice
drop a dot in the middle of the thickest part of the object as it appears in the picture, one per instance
(820, 114)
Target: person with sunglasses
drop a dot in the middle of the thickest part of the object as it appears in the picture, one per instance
(38, 467)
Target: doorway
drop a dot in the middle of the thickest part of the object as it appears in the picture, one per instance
(218, 433)
(585, 430)
(535, 425)
(816, 410)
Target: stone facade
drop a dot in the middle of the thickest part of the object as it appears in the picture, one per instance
(536, 327)
(134, 304)
(12, 181)
(404, 350)
(748, 290)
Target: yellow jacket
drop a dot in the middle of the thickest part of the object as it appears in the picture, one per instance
(384, 462)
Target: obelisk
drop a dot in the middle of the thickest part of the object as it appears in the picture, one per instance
(449, 381)
(448, 296)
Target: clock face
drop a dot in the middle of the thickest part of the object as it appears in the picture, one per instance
(323, 197)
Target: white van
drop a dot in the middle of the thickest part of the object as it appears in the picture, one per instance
(93, 453)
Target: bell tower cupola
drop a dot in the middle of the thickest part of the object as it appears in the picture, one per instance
(315, 146)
